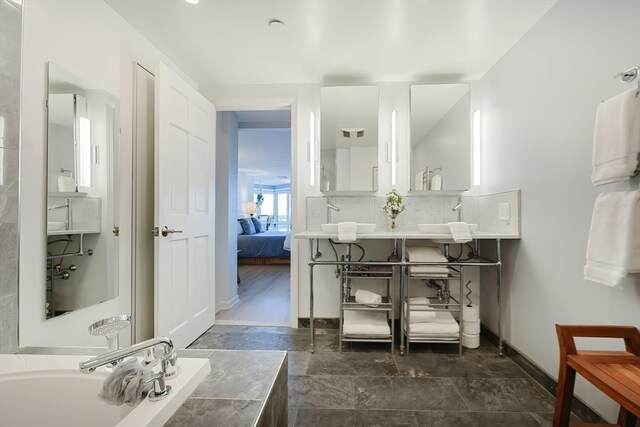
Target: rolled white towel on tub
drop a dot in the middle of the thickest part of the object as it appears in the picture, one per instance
(367, 297)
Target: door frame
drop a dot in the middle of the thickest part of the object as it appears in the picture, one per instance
(258, 104)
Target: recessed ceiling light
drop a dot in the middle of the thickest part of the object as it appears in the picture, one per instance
(276, 23)
(192, 1)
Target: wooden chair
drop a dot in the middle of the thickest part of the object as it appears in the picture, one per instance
(616, 373)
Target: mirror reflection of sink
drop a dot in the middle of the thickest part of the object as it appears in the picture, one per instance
(362, 228)
(442, 228)
(55, 225)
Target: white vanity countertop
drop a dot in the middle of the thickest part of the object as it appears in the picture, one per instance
(65, 232)
(480, 235)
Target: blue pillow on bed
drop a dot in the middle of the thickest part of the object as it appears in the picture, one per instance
(247, 225)
(257, 225)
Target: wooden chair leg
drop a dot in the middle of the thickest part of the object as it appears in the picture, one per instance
(626, 419)
(564, 396)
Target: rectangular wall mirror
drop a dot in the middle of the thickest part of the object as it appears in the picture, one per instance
(349, 138)
(440, 137)
(82, 152)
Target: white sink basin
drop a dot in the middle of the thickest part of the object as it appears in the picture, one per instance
(362, 228)
(442, 228)
(55, 225)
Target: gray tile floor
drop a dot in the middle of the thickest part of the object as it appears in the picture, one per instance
(367, 386)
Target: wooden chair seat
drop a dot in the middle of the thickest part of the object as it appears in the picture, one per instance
(615, 373)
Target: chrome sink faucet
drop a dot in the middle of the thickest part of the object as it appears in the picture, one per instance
(330, 207)
(458, 208)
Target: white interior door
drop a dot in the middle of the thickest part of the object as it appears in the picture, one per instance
(184, 203)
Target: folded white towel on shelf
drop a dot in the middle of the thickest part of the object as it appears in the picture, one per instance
(460, 231)
(419, 314)
(358, 322)
(367, 297)
(427, 254)
(616, 141)
(347, 231)
(613, 250)
(443, 326)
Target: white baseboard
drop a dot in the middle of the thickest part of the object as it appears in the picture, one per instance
(226, 305)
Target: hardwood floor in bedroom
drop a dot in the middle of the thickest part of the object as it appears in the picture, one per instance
(264, 293)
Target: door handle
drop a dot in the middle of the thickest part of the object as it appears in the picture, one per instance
(166, 231)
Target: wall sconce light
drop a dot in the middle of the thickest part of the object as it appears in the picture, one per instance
(84, 153)
(312, 149)
(252, 208)
(477, 148)
(394, 148)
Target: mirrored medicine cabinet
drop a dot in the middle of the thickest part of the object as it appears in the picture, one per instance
(440, 135)
(82, 178)
(349, 139)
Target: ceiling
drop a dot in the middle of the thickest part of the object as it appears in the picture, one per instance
(230, 41)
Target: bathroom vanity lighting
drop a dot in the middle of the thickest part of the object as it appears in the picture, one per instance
(477, 148)
(312, 149)
(393, 148)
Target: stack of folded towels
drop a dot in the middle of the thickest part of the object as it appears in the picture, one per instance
(430, 324)
(427, 254)
(359, 322)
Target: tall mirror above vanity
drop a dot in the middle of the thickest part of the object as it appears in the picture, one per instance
(440, 137)
(349, 139)
(82, 148)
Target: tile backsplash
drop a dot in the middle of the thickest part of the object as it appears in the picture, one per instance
(368, 209)
(483, 210)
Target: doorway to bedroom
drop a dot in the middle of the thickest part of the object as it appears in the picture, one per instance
(254, 183)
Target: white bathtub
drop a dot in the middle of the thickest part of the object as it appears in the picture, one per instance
(42, 390)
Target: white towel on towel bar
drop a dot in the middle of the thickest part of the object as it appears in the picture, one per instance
(613, 250)
(616, 141)
(347, 231)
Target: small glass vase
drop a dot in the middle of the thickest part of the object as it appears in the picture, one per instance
(393, 224)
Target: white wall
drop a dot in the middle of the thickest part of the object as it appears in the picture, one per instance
(90, 40)
(538, 105)
(226, 214)
(245, 192)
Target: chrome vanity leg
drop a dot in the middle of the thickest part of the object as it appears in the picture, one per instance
(498, 285)
(460, 313)
(311, 319)
(402, 314)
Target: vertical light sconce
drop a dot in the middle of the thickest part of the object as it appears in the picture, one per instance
(83, 175)
(477, 148)
(394, 148)
(312, 149)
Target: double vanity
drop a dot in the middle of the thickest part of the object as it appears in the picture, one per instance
(399, 262)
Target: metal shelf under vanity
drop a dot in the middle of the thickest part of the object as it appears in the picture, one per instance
(446, 303)
(348, 302)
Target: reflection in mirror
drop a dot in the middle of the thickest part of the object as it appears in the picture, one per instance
(82, 143)
(349, 138)
(440, 137)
